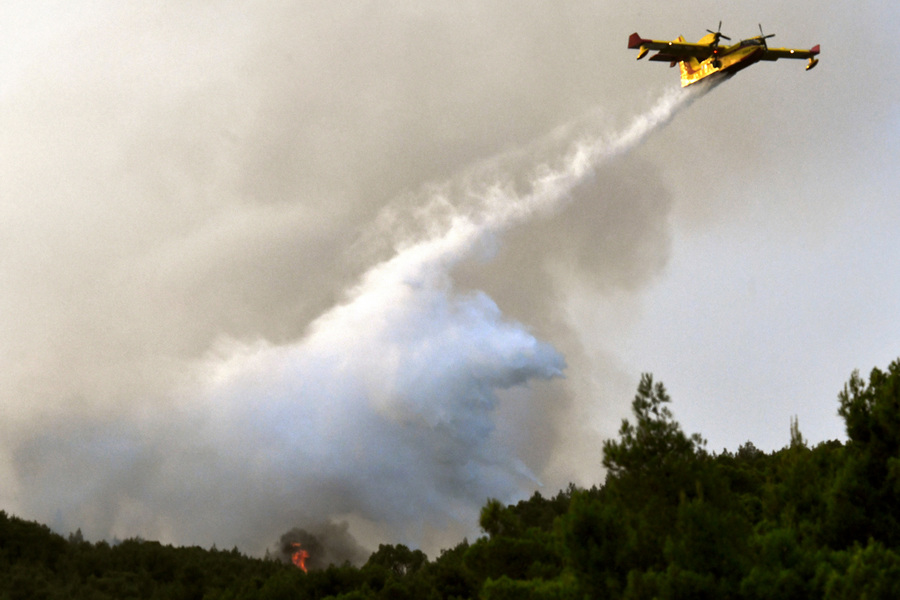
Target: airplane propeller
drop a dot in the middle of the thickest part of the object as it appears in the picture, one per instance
(715, 45)
(718, 34)
(763, 36)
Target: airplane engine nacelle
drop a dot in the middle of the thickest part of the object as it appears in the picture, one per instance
(812, 63)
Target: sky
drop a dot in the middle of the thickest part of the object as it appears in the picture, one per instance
(359, 266)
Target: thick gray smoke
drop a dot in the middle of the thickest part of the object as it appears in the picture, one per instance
(229, 315)
(385, 410)
(323, 545)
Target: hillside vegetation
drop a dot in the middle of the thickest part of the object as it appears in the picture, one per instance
(672, 520)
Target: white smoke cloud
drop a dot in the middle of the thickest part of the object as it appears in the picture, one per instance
(162, 252)
(386, 408)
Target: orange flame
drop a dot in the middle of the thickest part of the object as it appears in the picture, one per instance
(299, 556)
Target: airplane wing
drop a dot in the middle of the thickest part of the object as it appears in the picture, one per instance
(776, 53)
(667, 51)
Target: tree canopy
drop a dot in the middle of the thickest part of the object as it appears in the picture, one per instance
(671, 520)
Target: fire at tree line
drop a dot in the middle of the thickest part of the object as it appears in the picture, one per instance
(672, 520)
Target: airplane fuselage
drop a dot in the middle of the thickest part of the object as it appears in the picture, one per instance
(727, 60)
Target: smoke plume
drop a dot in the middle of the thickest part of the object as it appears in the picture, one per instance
(323, 545)
(232, 314)
(385, 409)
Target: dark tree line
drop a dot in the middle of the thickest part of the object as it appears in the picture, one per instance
(672, 520)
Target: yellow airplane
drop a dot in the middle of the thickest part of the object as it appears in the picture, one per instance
(707, 57)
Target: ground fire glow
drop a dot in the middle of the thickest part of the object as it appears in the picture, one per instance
(299, 556)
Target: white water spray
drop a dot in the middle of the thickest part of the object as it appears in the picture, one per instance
(383, 412)
(385, 408)
(499, 207)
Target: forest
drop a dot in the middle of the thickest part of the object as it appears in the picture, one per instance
(671, 520)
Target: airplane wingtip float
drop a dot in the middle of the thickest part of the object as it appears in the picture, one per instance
(709, 58)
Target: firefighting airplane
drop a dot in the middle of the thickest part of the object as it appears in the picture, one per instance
(707, 57)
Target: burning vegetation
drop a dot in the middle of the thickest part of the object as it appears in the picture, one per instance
(299, 556)
(326, 544)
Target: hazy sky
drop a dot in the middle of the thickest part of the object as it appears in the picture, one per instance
(267, 265)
